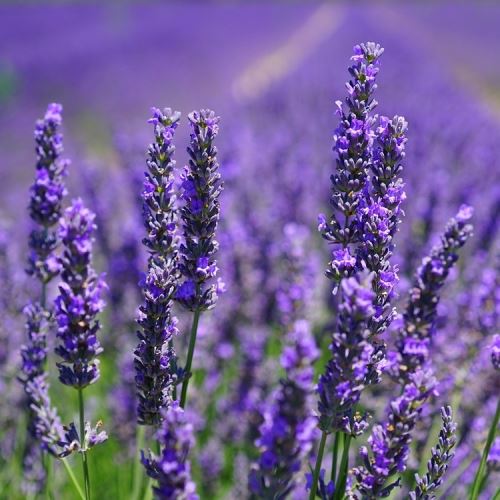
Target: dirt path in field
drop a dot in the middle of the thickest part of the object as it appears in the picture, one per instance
(281, 61)
(456, 57)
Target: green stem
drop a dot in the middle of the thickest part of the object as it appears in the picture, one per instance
(137, 475)
(85, 466)
(317, 468)
(189, 361)
(335, 453)
(73, 478)
(476, 487)
(344, 465)
(48, 472)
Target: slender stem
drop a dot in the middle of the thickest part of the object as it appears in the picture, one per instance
(476, 487)
(48, 472)
(317, 468)
(137, 474)
(335, 453)
(73, 478)
(344, 465)
(189, 361)
(85, 466)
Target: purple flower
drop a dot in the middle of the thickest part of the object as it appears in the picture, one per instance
(353, 141)
(46, 195)
(155, 360)
(158, 194)
(354, 361)
(201, 186)
(79, 300)
(289, 428)
(389, 443)
(440, 459)
(171, 469)
(420, 315)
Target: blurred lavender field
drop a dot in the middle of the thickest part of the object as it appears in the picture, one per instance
(272, 71)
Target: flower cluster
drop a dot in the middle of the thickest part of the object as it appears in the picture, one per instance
(46, 195)
(34, 352)
(353, 362)
(293, 295)
(420, 314)
(155, 360)
(379, 216)
(201, 187)
(288, 429)
(172, 468)
(79, 300)
(158, 194)
(389, 443)
(44, 425)
(353, 141)
(441, 457)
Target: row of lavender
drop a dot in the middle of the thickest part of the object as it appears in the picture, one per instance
(256, 431)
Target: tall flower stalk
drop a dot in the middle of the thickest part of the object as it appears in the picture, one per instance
(201, 188)
(389, 442)
(45, 208)
(76, 308)
(155, 359)
(364, 221)
(171, 467)
(46, 198)
(440, 459)
(415, 337)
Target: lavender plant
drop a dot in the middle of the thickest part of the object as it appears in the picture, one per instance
(371, 210)
(251, 429)
(76, 308)
(441, 457)
(155, 359)
(171, 468)
(45, 208)
(288, 430)
(201, 188)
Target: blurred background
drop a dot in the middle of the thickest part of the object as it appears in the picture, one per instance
(273, 71)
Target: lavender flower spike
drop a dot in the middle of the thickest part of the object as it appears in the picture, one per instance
(155, 360)
(390, 442)
(158, 196)
(441, 457)
(172, 469)
(380, 214)
(353, 142)
(420, 314)
(201, 187)
(44, 424)
(46, 195)
(288, 430)
(350, 366)
(79, 300)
